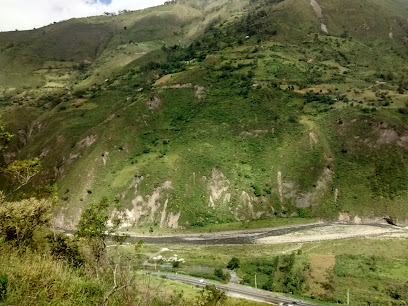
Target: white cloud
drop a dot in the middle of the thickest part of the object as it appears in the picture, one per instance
(29, 14)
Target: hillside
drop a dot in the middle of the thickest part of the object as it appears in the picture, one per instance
(196, 113)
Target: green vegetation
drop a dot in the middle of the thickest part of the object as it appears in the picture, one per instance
(224, 276)
(233, 263)
(41, 266)
(373, 269)
(244, 119)
(202, 117)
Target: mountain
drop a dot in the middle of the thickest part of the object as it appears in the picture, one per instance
(202, 112)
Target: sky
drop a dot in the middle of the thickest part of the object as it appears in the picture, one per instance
(29, 14)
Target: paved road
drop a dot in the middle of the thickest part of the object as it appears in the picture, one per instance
(237, 290)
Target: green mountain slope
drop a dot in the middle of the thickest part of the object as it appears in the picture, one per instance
(200, 113)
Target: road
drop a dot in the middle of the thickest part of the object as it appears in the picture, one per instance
(237, 290)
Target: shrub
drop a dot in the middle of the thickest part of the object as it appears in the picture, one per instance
(62, 248)
(176, 264)
(257, 190)
(3, 287)
(20, 220)
(218, 272)
(233, 263)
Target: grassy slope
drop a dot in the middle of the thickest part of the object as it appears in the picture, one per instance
(247, 127)
(37, 278)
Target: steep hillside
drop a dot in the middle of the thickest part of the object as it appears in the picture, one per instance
(208, 113)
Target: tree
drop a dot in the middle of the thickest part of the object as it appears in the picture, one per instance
(233, 263)
(94, 227)
(62, 248)
(5, 138)
(20, 172)
(211, 296)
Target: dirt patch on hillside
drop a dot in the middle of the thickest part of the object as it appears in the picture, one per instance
(87, 141)
(153, 102)
(316, 8)
(163, 79)
(105, 156)
(199, 92)
(312, 89)
(313, 139)
(320, 269)
(178, 86)
(390, 136)
(254, 133)
(280, 187)
(79, 102)
(387, 136)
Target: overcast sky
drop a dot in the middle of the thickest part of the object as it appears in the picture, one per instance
(29, 14)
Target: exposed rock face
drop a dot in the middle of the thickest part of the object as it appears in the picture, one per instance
(153, 102)
(151, 207)
(105, 157)
(319, 14)
(87, 141)
(307, 200)
(176, 86)
(218, 187)
(199, 92)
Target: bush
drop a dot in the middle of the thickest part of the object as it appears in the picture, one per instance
(20, 220)
(62, 248)
(233, 263)
(302, 213)
(176, 264)
(320, 98)
(269, 285)
(218, 272)
(3, 287)
(257, 190)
